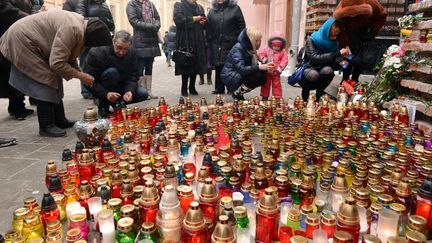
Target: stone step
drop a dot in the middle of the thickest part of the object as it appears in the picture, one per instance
(418, 46)
(426, 127)
(417, 85)
(420, 106)
(423, 25)
(424, 6)
(421, 68)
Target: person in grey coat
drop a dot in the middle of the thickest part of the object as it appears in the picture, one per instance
(170, 44)
(145, 20)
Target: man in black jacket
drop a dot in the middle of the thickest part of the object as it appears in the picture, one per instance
(70, 5)
(115, 70)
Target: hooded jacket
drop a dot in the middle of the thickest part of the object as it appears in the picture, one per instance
(224, 24)
(364, 17)
(96, 9)
(239, 62)
(171, 39)
(280, 58)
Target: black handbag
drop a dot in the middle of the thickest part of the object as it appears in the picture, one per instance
(183, 56)
(369, 55)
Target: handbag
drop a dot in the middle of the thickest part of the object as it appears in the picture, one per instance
(297, 75)
(369, 55)
(183, 56)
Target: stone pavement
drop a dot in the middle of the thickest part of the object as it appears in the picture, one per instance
(22, 166)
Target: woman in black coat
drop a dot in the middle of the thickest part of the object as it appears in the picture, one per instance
(225, 21)
(242, 72)
(323, 57)
(96, 9)
(190, 20)
(146, 24)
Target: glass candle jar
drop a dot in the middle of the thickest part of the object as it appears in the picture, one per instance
(194, 228)
(305, 210)
(73, 235)
(32, 227)
(125, 231)
(348, 219)
(267, 218)
(54, 227)
(79, 221)
(312, 224)
(18, 218)
(328, 223)
(387, 224)
(293, 219)
(417, 223)
(149, 233)
(60, 200)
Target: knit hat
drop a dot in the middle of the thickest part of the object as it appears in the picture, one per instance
(97, 34)
(276, 38)
(352, 8)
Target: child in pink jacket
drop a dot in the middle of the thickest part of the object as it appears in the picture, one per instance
(274, 54)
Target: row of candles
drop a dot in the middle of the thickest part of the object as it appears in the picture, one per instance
(268, 168)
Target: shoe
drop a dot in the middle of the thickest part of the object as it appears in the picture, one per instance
(52, 131)
(87, 96)
(185, 94)
(218, 92)
(4, 142)
(17, 108)
(201, 82)
(209, 81)
(21, 115)
(66, 123)
(193, 92)
(264, 98)
(237, 96)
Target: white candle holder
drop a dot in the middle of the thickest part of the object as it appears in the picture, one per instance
(320, 236)
(95, 206)
(387, 224)
(71, 207)
(106, 225)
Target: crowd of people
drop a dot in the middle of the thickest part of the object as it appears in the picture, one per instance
(116, 66)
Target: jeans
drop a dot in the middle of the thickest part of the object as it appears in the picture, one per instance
(110, 80)
(145, 66)
(168, 55)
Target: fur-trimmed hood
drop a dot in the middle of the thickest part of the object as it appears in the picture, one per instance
(229, 3)
(277, 35)
(353, 8)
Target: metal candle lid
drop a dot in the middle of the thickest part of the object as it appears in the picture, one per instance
(342, 237)
(348, 213)
(194, 219)
(114, 203)
(20, 213)
(294, 214)
(208, 192)
(370, 239)
(417, 222)
(415, 236)
(268, 203)
(125, 225)
(223, 232)
(150, 195)
(340, 184)
(148, 227)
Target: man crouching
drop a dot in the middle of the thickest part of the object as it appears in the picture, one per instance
(115, 70)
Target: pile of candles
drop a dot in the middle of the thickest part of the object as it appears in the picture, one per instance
(248, 171)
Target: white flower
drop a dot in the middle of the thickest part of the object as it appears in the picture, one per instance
(392, 49)
(391, 61)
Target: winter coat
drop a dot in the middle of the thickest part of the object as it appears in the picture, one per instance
(361, 20)
(145, 38)
(45, 46)
(238, 62)
(96, 9)
(318, 59)
(70, 5)
(11, 11)
(101, 58)
(224, 24)
(280, 58)
(190, 35)
(171, 39)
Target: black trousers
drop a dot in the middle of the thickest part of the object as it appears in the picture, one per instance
(316, 79)
(219, 85)
(254, 80)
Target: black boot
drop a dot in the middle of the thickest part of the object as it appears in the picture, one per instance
(46, 118)
(209, 77)
(184, 87)
(238, 94)
(192, 89)
(60, 117)
(17, 108)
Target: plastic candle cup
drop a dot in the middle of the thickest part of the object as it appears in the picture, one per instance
(320, 236)
(95, 206)
(387, 224)
(71, 207)
(106, 225)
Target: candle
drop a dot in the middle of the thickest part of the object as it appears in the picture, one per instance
(106, 225)
(387, 224)
(95, 206)
(320, 236)
(71, 207)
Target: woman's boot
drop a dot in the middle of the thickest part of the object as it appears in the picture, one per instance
(46, 118)
(184, 86)
(192, 89)
(209, 77)
(60, 117)
(238, 94)
(148, 81)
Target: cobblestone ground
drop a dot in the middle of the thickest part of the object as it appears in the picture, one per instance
(22, 166)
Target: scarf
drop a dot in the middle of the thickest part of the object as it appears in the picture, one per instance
(147, 11)
(321, 37)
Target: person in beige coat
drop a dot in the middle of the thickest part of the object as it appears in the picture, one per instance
(43, 50)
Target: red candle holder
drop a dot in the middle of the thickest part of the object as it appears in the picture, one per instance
(285, 234)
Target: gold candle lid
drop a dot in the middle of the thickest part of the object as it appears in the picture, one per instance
(268, 203)
(340, 184)
(306, 209)
(11, 234)
(342, 237)
(417, 222)
(348, 213)
(298, 239)
(371, 239)
(375, 208)
(114, 203)
(53, 237)
(20, 213)
(396, 239)
(148, 227)
(22, 239)
(127, 210)
(208, 191)
(223, 232)
(31, 220)
(73, 235)
(328, 218)
(194, 219)
(77, 218)
(312, 219)
(240, 212)
(125, 225)
(53, 225)
(415, 236)
(29, 202)
(398, 208)
(294, 214)
(385, 199)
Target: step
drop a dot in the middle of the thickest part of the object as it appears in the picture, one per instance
(420, 106)
(421, 68)
(424, 6)
(423, 25)
(417, 85)
(418, 46)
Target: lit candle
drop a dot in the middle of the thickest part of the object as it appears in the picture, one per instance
(106, 225)
(387, 224)
(320, 236)
(71, 207)
(95, 206)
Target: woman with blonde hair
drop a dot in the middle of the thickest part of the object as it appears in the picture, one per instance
(242, 72)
